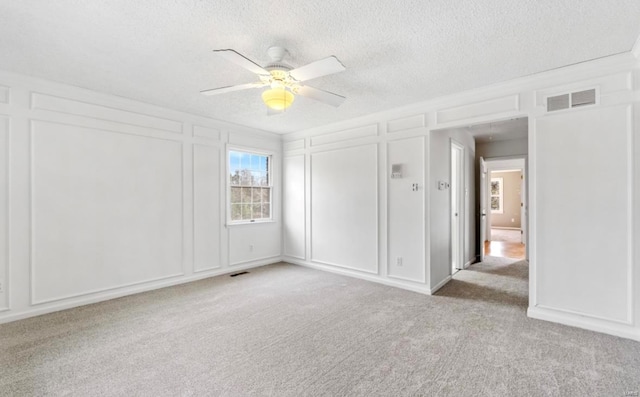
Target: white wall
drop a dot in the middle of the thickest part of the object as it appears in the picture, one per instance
(344, 213)
(294, 207)
(584, 221)
(344, 207)
(583, 268)
(108, 196)
(4, 205)
(406, 228)
(362, 222)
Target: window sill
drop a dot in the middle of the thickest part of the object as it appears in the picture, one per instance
(255, 222)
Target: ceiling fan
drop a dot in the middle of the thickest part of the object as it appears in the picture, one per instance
(284, 82)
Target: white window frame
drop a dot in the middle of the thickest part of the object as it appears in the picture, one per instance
(259, 152)
(500, 195)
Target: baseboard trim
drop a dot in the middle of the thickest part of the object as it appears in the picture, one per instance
(33, 311)
(421, 289)
(440, 285)
(591, 324)
(269, 259)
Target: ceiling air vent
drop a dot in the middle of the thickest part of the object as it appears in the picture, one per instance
(572, 100)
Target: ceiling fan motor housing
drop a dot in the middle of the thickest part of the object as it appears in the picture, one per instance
(276, 53)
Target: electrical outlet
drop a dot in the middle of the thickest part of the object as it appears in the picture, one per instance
(251, 248)
(1, 286)
(399, 261)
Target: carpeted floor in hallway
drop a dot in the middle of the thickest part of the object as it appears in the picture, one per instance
(285, 330)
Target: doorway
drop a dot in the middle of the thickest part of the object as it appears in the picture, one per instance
(485, 148)
(502, 174)
(506, 213)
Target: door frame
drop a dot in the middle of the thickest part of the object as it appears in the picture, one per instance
(482, 187)
(459, 216)
(495, 164)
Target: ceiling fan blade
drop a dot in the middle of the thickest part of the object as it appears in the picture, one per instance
(223, 90)
(319, 68)
(323, 96)
(243, 61)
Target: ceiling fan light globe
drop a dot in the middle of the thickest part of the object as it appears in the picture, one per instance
(277, 98)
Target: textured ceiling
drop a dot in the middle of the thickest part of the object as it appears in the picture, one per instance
(500, 130)
(396, 53)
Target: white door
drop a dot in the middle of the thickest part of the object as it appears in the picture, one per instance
(523, 209)
(457, 205)
(483, 206)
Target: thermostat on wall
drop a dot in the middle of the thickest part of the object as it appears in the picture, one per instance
(396, 171)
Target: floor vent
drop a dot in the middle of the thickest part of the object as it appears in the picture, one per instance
(238, 274)
(572, 100)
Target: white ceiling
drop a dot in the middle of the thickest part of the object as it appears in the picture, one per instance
(396, 53)
(500, 130)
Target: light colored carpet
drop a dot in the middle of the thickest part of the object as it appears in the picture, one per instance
(506, 235)
(284, 330)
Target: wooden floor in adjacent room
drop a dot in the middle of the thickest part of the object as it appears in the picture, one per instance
(505, 249)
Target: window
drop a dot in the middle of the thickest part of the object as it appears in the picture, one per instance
(250, 186)
(497, 188)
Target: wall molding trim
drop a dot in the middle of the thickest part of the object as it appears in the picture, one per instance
(5, 94)
(440, 285)
(414, 287)
(32, 226)
(407, 123)
(257, 261)
(75, 107)
(556, 77)
(35, 302)
(125, 291)
(5, 257)
(335, 265)
(475, 110)
(588, 323)
(151, 135)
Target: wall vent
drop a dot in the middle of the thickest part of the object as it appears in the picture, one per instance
(583, 98)
(572, 100)
(557, 102)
